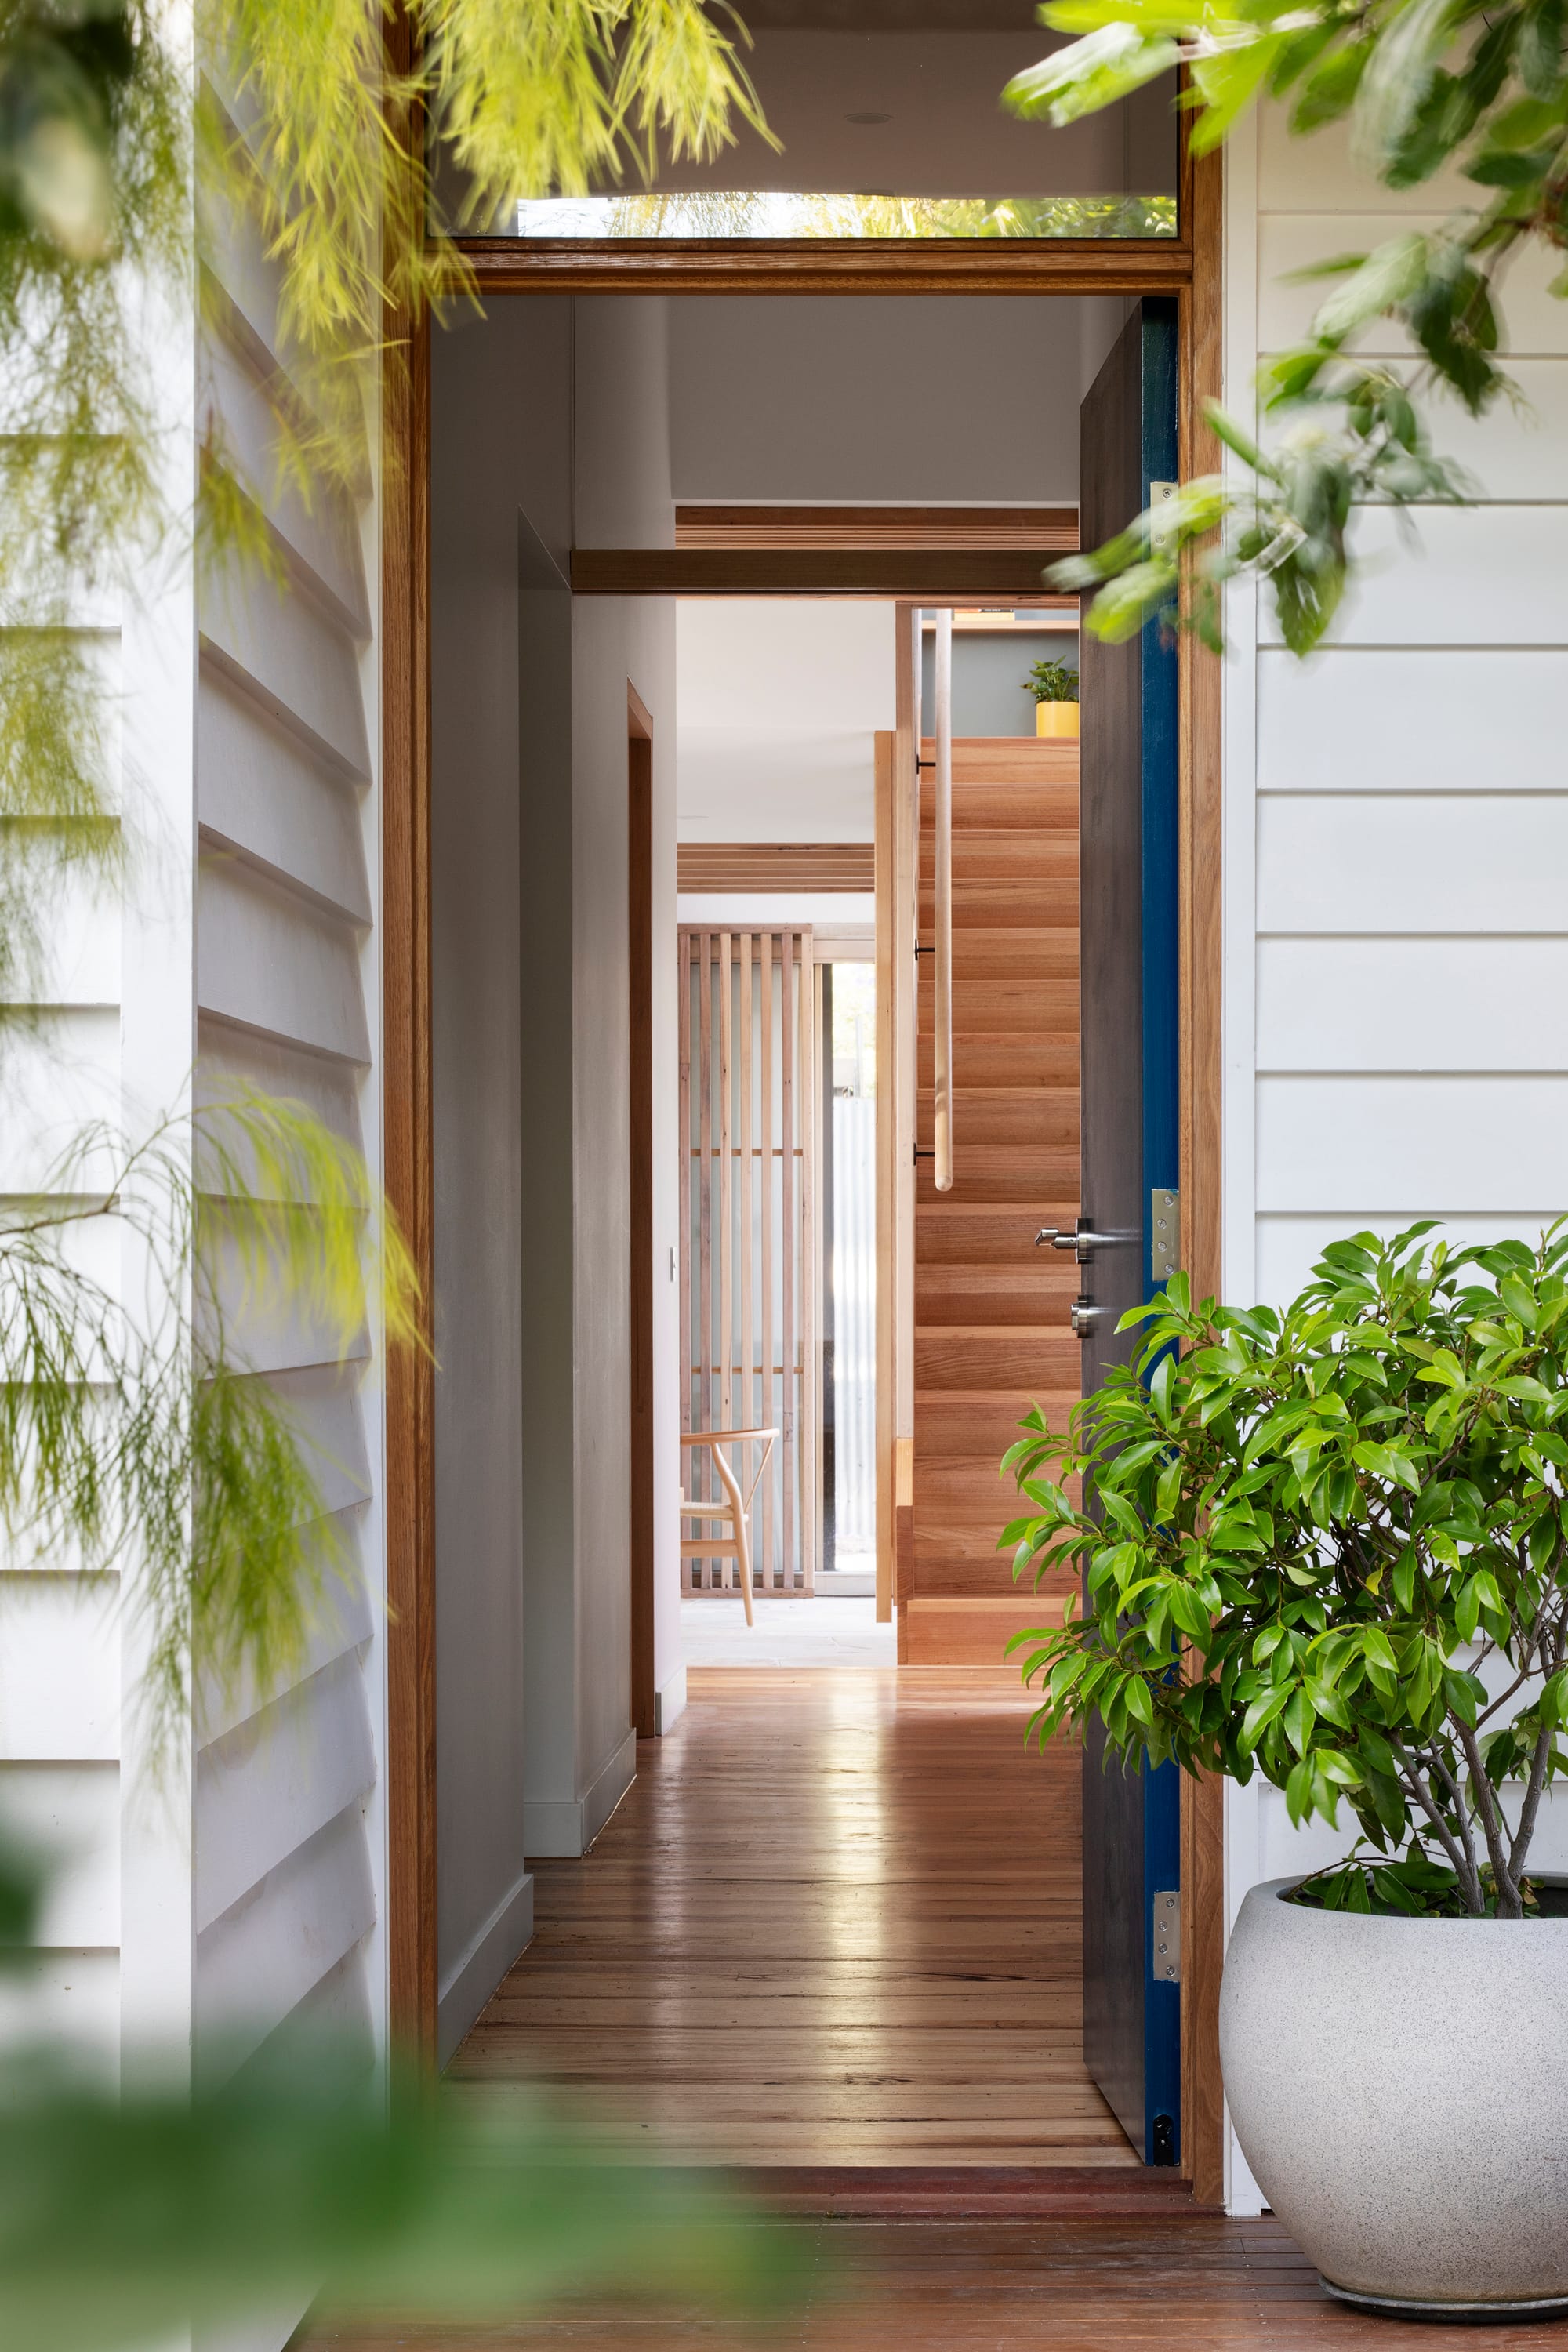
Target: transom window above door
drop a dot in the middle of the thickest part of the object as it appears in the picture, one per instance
(891, 125)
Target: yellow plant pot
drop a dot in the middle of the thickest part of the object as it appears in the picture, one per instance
(1059, 720)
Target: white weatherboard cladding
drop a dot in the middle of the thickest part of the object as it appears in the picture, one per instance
(245, 1887)
(287, 1826)
(1396, 834)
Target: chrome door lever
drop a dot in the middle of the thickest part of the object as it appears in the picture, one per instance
(1082, 1243)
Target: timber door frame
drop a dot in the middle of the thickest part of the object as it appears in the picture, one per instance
(1190, 269)
(640, 1403)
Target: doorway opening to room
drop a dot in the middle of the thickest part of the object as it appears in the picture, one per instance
(846, 1775)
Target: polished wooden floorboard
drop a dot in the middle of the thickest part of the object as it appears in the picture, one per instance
(1203, 2284)
(835, 1922)
(835, 1925)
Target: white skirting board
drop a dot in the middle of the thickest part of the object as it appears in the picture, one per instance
(557, 1828)
(669, 1703)
(470, 1982)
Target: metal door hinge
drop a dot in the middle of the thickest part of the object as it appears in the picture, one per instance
(1166, 1228)
(1168, 1936)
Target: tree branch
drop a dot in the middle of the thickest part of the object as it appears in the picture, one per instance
(1509, 1902)
(1461, 1858)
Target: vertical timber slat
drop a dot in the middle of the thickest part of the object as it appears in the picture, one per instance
(1201, 329)
(748, 1192)
(809, 1270)
(684, 1256)
(887, 1167)
(704, 1212)
(765, 1165)
(723, 982)
(788, 1248)
(408, 1148)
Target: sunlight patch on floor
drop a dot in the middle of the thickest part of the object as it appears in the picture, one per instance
(824, 1631)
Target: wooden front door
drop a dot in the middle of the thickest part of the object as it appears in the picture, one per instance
(1130, 1129)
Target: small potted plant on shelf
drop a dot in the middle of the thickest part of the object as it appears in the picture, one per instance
(1330, 1547)
(1055, 689)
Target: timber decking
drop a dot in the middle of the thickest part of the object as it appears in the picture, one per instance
(991, 1331)
(1204, 2285)
(833, 1923)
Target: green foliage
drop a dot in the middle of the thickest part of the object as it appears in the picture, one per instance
(758, 213)
(1331, 1547)
(135, 2215)
(557, 97)
(1290, 529)
(146, 1439)
(1429, 87)
(139, 1430)
(1052, 681)
(117, 179)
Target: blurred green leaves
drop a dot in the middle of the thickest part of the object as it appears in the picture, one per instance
(128, 2218)
(140, 1433)
(138, 2214)
(1428, 87)
(1331, 1546)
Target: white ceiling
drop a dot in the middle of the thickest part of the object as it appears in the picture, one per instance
(776, 704)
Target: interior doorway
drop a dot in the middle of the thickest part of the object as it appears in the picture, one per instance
(659, 1765)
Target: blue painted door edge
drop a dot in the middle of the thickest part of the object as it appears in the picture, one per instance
(1162, 1170)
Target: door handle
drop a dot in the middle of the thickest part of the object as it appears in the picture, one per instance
(1085, 1316)
(1082, 1243)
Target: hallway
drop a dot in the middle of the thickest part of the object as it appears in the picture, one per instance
(833, 1923)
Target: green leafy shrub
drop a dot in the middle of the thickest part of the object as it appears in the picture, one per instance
(1331, 1547)
(1050, 681)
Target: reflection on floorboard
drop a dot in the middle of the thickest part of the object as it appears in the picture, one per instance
(835, 1922)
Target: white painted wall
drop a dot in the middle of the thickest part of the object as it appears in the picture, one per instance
(502, 391)
(780, 698)
(551, 424)
(623, 499)
(936, 126)
(926, 400)
(1396, 818)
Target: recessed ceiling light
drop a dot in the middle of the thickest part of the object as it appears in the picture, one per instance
(868, 118)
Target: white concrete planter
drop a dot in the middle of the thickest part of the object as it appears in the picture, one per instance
(1400, 2087)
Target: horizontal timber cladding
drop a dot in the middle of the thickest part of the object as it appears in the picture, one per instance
(992, 1334)
(1041, 528)
(750, 1015)
(774, 865)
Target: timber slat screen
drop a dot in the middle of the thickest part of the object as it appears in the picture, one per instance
(749, 1320)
